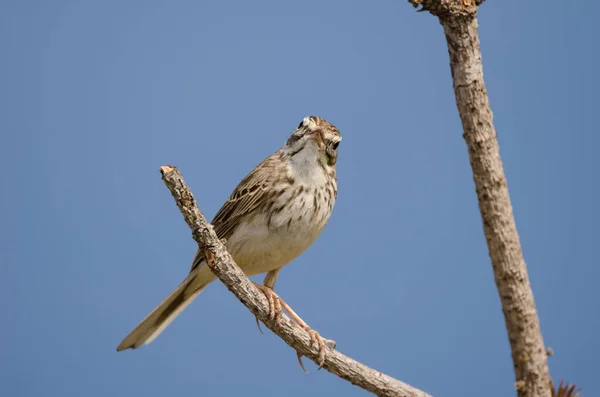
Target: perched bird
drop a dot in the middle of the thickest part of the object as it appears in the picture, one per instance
(272, 216)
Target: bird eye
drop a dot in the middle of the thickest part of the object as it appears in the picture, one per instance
(335, 145)
(300, 125)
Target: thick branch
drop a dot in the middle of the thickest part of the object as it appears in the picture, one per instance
(459, 19)
(222, 265)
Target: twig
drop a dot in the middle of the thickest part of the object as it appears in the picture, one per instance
(222, 265)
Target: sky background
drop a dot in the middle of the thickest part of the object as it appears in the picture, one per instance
(96, 95)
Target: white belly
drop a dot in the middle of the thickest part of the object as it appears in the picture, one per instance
(267, 243)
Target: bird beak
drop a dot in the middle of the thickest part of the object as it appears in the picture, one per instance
(318, 137)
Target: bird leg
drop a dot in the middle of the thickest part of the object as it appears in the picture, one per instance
(314, 336)
(276, 304)
(268, 289)
(274, 301)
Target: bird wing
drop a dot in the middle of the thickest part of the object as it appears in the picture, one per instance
(246, 198)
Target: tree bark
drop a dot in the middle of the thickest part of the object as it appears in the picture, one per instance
(459, 20)
(222, 265)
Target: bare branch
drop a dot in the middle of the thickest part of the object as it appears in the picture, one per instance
(459, 20)
(222, 265)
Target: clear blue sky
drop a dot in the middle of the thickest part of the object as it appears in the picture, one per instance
(96, 95)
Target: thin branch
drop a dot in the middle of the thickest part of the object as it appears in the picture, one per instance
(459, 20)
(565, 390)
(222, 265)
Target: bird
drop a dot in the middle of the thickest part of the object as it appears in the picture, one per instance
(275, 213)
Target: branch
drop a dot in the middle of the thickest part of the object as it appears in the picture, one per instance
(459, 20)
(222, 265)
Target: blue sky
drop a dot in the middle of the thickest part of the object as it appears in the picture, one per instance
(96, 96)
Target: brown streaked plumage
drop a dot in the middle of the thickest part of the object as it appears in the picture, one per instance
(272, 216)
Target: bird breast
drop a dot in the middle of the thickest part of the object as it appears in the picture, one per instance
(275, 236)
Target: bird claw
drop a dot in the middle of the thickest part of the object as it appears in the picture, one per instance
(315, 337)
(258, 325)
(321, 342)
(299, 355)
(276, 306)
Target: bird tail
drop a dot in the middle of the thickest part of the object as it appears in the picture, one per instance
(165, 313)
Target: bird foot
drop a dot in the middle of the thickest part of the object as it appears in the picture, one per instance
(276, 304)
